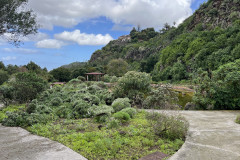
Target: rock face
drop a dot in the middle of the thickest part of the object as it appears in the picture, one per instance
(215, 13)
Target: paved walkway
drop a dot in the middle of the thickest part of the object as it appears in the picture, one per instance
(213, 135)
(18, 144)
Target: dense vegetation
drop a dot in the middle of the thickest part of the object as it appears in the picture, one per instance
(94, 120)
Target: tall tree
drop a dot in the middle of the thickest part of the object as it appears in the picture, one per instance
(117, 67)
(16, 20)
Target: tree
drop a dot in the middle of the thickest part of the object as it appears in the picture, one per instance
(79, 72)
(16, 20)
(61, 74)
(2, 66)
(33, 67)
(27, 86)
(6, 94)
(3, 76)
(117, 67)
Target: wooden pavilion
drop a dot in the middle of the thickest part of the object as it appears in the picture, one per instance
(94, 76)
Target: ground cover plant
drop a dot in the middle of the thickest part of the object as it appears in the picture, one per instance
(94, 121)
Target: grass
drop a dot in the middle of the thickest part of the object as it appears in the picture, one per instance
(4, 110)
(132, 140)
(238, 119)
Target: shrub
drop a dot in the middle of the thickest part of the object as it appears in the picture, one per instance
(107, 78)
(80, 109)
(91, 99)
(113, 123)
(131, 111)
(81, 78)
(64, 112)
(32, 106)
(132, 84)
(56, 101)
(75, 81)
(120, 104)
(101, 113)
(93, 89)
(42, 109)
(161, 97)
(170, 127)
(114, 79)
(238, 119)
(122, 116)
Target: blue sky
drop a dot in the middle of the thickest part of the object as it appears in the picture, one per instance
(73, 29)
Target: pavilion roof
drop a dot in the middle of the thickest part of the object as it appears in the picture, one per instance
(95, 73)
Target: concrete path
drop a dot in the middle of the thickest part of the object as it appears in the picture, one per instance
(213, 135)
(18, 144)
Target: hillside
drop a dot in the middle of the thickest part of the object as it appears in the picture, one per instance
(207, 40)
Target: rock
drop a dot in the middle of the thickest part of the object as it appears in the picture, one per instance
(155, 156)
(190, 106)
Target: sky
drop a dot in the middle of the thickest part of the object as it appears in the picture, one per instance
(71, 30)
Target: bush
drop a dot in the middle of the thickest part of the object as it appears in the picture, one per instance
(64, 112)
(132, 84)
(56, 101)
(161, 97)
(75, 81)
(81, 78)
(32, 106)
(238, 119)
(120, 104)
(114, 79)
(101, 113)
(122, 116)
(131, 111)
(170, 127)
(113, 123)
(80, 109)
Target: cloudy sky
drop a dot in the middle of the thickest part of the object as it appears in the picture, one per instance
(71, 30)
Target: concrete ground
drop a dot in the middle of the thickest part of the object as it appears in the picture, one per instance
(213, 135)
(18, 144)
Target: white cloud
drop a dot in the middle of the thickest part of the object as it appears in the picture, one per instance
(147, 13)
(20, 50)
(8, 58)
(83, 38)
(50, 43)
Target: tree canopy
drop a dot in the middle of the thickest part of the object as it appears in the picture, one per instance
(16, 20)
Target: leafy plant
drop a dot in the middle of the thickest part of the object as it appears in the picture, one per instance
(121, 103)
(122, 116)
(238, 119)
(131, 111)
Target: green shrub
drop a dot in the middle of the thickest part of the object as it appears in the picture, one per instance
(107, 78)
(64, 112)
(81, 78)
(80, 109)
(93, 89)
(161, 97)
(32, 106)
(170, 127)
(91, 99)
(113, 123)
(75, 81)
(133, 84)
(238, 119)
(101, 113)
(131, 111)
(42, 109)
(56, 101)
(121, 103)
(114, 79)
(122, 116)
